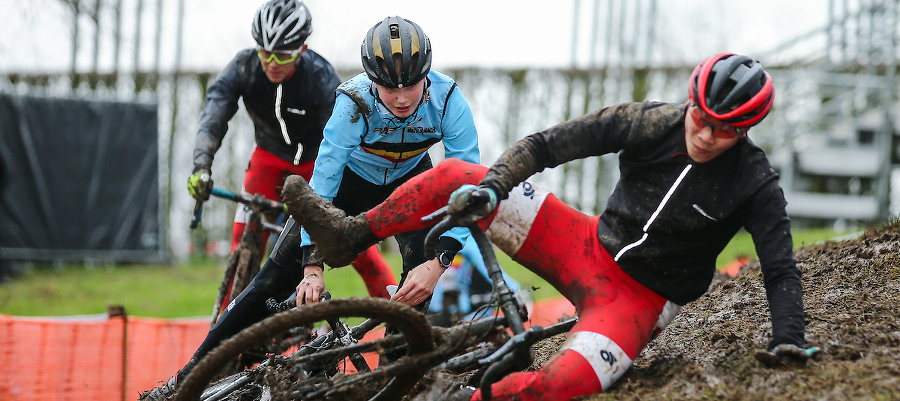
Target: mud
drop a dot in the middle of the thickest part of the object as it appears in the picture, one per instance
(852, 299)
(362, 107)
(338, 238)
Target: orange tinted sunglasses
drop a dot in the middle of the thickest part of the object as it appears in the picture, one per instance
(719, 129)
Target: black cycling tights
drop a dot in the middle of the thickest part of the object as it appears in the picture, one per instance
(272, 281)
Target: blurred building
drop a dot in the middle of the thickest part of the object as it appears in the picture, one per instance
(841, 149)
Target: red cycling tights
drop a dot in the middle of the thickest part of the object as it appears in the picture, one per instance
(617, 315)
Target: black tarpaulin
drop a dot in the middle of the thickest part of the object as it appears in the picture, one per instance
(78, 180)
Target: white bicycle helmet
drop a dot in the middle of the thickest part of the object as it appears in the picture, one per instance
(281, 25)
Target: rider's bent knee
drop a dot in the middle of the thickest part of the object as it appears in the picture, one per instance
(458, 172)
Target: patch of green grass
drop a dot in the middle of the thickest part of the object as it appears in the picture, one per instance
(189, 288)
(742, 244)
(144, 290)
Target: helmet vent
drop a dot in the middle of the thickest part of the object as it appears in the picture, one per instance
(396, 53)
(734, 89)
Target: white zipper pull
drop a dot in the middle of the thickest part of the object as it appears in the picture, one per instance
(284, 133)
(297, 156)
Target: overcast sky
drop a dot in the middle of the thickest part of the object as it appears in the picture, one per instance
(35, 35)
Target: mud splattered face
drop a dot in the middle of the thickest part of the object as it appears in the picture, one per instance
(401, 102)
(706, 139)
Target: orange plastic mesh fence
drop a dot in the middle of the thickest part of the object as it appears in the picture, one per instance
(84, 358)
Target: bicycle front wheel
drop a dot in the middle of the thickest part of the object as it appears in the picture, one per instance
(415, 336)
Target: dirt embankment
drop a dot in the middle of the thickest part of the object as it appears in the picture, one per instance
(852, 299)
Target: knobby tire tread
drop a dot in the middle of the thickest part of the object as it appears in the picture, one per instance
(242, 274)
(411, 324)
(249, 256)
(239, 270)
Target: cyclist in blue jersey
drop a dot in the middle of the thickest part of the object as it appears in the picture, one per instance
(383, 124)
(378, 136)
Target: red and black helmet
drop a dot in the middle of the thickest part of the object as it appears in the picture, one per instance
(732, 88)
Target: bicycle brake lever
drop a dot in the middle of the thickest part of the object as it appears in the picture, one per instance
(198, 211)
(437, 214)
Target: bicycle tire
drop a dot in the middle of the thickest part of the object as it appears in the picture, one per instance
(224, 286)
(243, 273)
(242, 267)
(409, 322)
(249, 256)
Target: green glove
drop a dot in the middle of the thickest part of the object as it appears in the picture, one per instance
(200, 185)
(469, 203)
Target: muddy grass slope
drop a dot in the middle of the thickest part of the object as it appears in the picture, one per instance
(852, 298)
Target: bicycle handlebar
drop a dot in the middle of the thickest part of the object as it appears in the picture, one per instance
(516, 353)
(198, 210)
(274, 306)
(508, 304)
(261, 202)
(265, 204)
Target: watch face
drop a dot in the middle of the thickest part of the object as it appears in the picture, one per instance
(445, 260)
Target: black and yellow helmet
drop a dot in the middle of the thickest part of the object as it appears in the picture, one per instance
(396, 53)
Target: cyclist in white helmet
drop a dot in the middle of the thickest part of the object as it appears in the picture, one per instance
(289, 91)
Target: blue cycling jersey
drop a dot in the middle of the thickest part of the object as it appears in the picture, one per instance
(381, 148)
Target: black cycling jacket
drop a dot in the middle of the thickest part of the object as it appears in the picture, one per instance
(669, 217)
(288, 117)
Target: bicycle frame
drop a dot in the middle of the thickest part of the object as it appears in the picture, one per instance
(239, 272)
(480, 344)
(512, 357)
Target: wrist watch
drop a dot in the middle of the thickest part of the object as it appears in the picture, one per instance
(444, 259)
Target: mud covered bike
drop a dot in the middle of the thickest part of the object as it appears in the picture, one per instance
(244, 261)
(337, 365)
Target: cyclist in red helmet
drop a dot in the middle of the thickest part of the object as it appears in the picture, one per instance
(690, 179)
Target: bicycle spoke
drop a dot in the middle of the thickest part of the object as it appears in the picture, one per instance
(410, 323)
